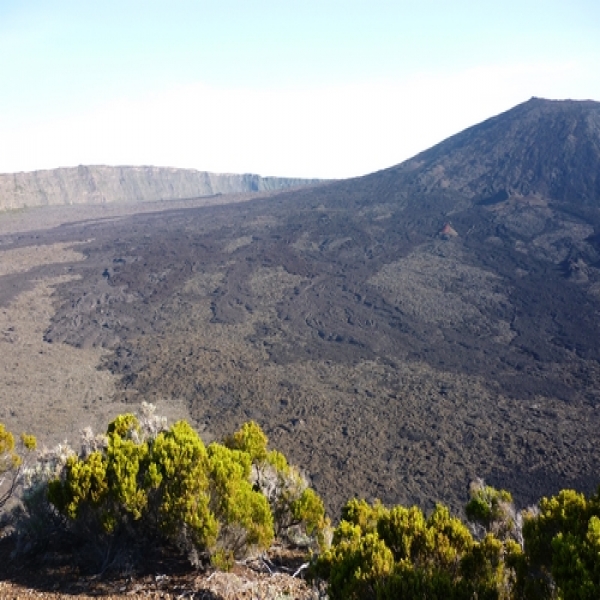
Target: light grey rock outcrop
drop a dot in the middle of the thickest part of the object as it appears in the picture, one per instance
(104, 184)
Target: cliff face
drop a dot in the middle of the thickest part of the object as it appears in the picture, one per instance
(102, 184)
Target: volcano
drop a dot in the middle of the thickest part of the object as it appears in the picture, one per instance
(397, 334)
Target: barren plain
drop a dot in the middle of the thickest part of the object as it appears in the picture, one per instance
(384, 368)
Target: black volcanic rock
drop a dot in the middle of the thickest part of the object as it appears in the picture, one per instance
(545, 147)
(387, 356)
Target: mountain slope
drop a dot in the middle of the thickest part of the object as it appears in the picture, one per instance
(543, 147)
(102, 184)
(397, 334)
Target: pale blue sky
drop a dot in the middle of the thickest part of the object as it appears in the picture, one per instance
(312, 88)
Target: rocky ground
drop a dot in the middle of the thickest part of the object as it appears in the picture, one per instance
(277, 575)
(385, 362)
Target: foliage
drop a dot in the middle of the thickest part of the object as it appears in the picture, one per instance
(143, 485)
(298, 512)
(11, 462)
(141, 488)
(385, 553)
(222, 560)
(360, 512)
(562, 542)
(493, 510)
(358, 565)
(250, 439)
(243, 512)
(177, 475)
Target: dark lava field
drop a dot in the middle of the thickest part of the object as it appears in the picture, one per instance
(395, 335)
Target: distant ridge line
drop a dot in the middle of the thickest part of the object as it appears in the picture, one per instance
(101, 184)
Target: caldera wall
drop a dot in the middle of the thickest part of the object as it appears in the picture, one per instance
(104, 184)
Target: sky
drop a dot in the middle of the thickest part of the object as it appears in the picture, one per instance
(311, 88)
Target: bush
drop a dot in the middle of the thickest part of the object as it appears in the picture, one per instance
(562, 548)
(298, 512)
(145, 486)
(494, 511)
(11, 462)
(385, 553)
(177, 475)
(244, 514)
(357, 565)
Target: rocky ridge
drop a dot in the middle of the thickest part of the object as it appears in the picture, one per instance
(106, 184)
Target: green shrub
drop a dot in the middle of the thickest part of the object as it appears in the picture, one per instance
(177, 473)
(367, 516)
(308, 510)
(145, 486)
(437, 557)
(562, 548)
(493, 510)
(9, 465)
(222, 560)
(244, 514)
(11, 462)
(357, 566)
(140, 489)
(298, 512)
(250, 439)
(399, 553)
